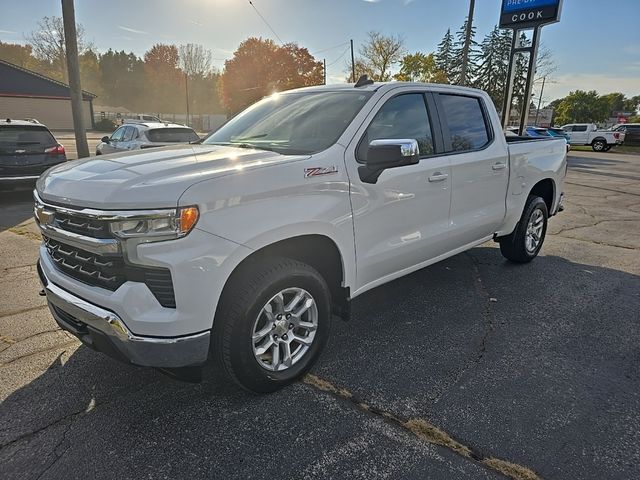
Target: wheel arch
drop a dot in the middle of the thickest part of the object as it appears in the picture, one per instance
(316, 250)
(545, 189)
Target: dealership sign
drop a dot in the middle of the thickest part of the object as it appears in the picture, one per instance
(529, 13)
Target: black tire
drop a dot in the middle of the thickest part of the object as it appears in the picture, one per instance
(607, 148)
(599, 145)
(248, 291)
(513, 247)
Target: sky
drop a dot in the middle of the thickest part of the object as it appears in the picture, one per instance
(596, 45)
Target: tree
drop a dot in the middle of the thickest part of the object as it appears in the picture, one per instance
(48, 46)
(20, 55)
(123, 80)
(444, 56)
(260, 67)
(419, 67)
(194, 60)
(582, 107)
(90, 77)
(458, 47)
(166, 80)
(379, 54)
(493, 64)
(632, 104)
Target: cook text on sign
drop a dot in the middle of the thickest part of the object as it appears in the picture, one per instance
(529, 13)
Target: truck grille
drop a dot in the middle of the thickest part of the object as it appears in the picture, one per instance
(82, 225)
(109, 271)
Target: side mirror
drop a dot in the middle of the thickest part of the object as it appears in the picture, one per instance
(105, 139)
(388, 153)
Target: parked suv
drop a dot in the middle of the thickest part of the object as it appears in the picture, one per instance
(631, 131)
(27, 148)
(135, 135)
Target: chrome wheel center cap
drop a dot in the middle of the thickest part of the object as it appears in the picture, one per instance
(281, 327)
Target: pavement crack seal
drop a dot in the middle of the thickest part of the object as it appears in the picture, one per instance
(426, 432)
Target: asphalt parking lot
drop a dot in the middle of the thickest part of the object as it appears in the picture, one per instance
(471, 368)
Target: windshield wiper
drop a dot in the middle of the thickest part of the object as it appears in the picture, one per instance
(252, 137)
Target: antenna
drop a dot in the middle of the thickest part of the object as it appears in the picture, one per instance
(363, 81)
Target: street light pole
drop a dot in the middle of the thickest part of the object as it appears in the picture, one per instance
(73, 68)
(467, 44)
(540, 100)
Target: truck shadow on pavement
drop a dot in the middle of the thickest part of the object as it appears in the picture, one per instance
(15, 207)
(537, 364)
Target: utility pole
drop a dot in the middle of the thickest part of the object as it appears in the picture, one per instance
(353, 65)
(186, 91)
(73, 68)
(467, 44)
(540, 100)
(324, 70)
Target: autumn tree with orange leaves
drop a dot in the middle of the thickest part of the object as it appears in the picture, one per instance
(260, 67)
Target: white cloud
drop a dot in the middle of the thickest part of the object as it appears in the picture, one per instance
(132, 30)
(632, 49)
(602, 83)
(371, 1)
(7, 32)
(196, 23)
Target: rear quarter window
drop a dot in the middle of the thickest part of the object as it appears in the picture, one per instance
(465, 120)
(24, 137)
(172, 135)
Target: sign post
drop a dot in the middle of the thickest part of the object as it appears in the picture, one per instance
(521, 15)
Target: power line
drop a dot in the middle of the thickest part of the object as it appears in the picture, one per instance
(265, 21)
(340, 57)
(329, 48)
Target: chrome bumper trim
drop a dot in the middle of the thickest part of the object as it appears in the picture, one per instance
(167, 352)
(93, 245)
(26, 177)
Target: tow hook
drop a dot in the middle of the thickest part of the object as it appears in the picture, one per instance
(42, 293)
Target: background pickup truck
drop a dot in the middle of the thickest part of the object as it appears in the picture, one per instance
(244, 247)
(588, 134)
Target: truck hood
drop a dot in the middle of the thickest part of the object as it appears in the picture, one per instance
(152, 178)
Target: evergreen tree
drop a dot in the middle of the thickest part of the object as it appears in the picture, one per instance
(456, 58)
(493, 65)
(444, 56)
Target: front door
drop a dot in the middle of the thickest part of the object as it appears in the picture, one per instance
(401, 220)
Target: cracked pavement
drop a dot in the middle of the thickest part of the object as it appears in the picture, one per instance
(471, 368)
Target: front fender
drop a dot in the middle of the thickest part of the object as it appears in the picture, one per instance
(258, 208)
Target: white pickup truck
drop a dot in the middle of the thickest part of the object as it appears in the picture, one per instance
(243, 247)
(588, 134)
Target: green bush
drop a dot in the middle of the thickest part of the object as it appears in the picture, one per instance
(105, 125)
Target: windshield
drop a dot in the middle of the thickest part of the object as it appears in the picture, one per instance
(292, 123)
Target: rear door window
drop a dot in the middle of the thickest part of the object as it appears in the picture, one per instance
(465, 121)
(172, 135)
(128, 134)
(25, 139)
(579, 128)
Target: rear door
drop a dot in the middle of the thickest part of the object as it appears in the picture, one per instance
(23, 150)
(479, 168)
(579, 135)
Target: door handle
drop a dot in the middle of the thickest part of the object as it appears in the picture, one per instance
(499, 166)
(438, 177)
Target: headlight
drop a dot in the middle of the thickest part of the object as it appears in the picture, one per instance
(158, 225)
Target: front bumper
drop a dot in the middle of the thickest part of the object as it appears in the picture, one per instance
(104, 331)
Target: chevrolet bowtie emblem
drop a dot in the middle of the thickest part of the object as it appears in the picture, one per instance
(43, 216)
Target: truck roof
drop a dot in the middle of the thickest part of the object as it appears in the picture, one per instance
(382, 86)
